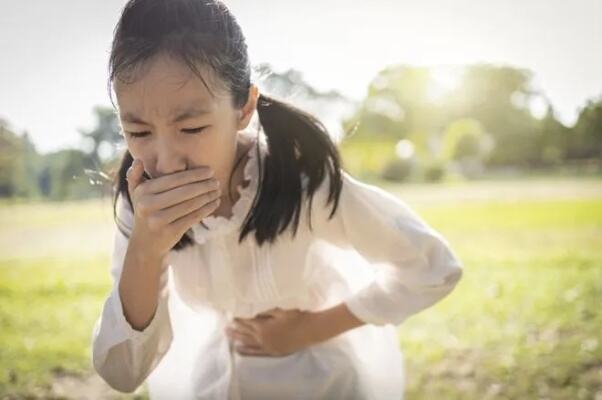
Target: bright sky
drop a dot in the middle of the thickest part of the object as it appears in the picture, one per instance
(54, 54)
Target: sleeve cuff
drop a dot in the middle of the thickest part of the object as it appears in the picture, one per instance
(125, 327)
(355, 304)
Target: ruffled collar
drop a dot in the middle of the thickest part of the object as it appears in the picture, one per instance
(220, 225)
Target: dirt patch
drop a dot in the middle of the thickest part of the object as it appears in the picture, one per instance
(89, 386)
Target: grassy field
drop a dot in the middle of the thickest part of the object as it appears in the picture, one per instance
(524, 323)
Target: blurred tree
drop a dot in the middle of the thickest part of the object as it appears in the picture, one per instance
(410, 102)
(398, 106)
(586, 136)
(554, 139)
(465, 147)
(63, 176)
(9, 160)
(18, 163)
(499, 97)
(101, 143)
(463, 138)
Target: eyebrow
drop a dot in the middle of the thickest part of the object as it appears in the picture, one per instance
(187, 113)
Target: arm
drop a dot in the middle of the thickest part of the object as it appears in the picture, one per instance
(133, 332)
(416, 266)
(415, 269)
(331, 322)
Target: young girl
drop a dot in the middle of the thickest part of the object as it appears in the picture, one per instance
(247, 264)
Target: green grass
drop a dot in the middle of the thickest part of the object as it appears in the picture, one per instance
(524, 322)
(47, 309)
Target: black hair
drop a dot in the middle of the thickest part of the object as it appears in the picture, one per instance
(204, 32)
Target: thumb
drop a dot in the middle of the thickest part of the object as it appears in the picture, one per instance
(134, 175)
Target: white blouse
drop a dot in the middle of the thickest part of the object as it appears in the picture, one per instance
(376, 255)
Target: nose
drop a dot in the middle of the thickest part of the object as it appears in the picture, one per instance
(170, 159)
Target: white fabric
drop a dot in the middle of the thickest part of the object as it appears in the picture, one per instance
(375, 254)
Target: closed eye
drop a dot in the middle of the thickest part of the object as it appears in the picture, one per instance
(146, 133)
(194, 130)
(137, 134)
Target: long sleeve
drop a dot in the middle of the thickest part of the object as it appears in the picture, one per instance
(122, 355)
(415, 264)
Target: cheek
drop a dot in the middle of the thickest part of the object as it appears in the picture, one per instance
(142, 150)
(210, 151)
(135, 148)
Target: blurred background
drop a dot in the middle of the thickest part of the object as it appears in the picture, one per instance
(485, 117)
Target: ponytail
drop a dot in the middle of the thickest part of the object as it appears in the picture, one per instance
(298, 144)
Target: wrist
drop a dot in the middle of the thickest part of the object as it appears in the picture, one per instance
(143, 254)
(328, 323)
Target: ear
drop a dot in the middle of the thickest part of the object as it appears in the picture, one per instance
(246, 112)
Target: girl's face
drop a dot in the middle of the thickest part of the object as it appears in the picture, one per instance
(173, 123)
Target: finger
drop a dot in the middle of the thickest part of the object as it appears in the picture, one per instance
(246, 326)
(179, 210)
(243, 339)
(251, 351)
(184, 223)
(134, 176)
(180, 194)
(180, 178)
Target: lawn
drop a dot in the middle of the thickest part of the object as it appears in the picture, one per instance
(524, 322)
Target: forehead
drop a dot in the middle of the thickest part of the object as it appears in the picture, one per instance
(166, 86)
